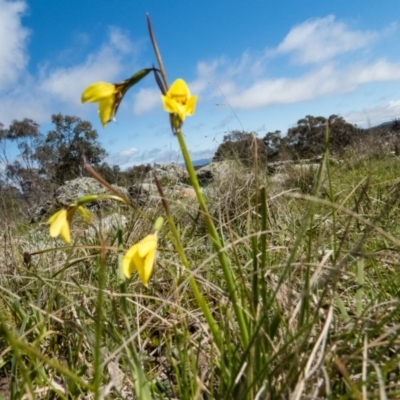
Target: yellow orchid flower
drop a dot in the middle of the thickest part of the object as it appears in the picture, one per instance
(59, 225)
(61, 220)
(109, 95)
(178, 100)
(141, 257)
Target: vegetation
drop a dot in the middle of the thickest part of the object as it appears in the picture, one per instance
(239, 145)
(60, 152)
(272, 287)
(315, 274)
(304, 140)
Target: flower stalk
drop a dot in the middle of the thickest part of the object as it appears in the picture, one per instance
(214, 236)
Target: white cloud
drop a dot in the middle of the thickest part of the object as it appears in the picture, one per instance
(145, 100)
(124, 158)
(322, 82)
(321, 39)
(208, 79)
(67, 84)
(129, 152)
(157, 155)
(374, 115)
(13, 57)
(171, 155)
(120, 40)
(38, 96)
(242, 83)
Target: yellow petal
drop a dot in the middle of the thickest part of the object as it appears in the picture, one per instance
(146, 269)
(65, 233)
(128, 264)
(57, 221)
(178, 100)
(85, 214)
(191, 105)
(170, 105)
(106, 110)
(179, 89)
(141, 257)
(59, 225)
(181, 111)
(147, 244)
(97, 91)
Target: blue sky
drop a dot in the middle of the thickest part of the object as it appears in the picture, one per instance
(256, 65)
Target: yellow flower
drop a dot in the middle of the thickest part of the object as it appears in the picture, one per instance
(142, 258)
(178, 100)
(59, 225)
(108, 95)
(60, 221)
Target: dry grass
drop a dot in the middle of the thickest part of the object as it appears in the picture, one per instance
(321, 302)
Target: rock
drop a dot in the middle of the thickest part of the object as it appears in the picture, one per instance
(214, 170)
(143, 193)
(168, 174)
(107, 224)
(76, 188)
(187, 193)
(70, 192)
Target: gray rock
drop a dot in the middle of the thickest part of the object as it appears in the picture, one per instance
(80, 187)
(220, 170)
(107, 224)
(70, 192)
(168, 174)
(143, 193)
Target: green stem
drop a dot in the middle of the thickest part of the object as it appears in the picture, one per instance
(212, 231)
(360, 288)
(98, 371)
(181, 251)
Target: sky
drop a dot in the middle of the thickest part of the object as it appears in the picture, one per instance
(257, 66)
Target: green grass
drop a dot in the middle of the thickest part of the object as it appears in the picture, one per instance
(314, 267)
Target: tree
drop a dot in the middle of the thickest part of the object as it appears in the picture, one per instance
(112, 174)
(60, 152)
(307, 139)
(22, 172)
(273, 142)
(341, 133)
(241, 145)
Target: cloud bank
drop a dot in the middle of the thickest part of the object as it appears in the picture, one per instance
(327, 57)
(36, 95)
(13, 50)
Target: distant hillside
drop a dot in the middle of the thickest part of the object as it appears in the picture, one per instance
(199, 163)
(393, 125)
(202, 161)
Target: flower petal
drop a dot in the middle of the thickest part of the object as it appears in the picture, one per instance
(179, 89)
(57, 221)
(65, 232)
(97, 91)
(146, 269)
(191, 105)
(59, 225)
(85, 214)
(147, 244)
(141, 257)
(170, 105)
(106, 110)
(128, 264)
